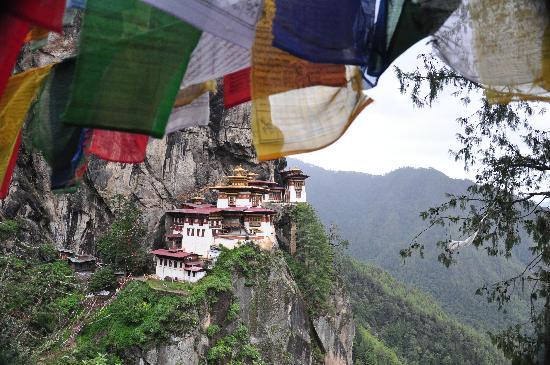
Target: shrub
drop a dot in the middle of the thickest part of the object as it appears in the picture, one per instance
(47, 252)
(103, 279)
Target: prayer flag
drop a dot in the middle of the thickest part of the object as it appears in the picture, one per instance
(186, 95)
(57, 142)
(417, 20)
(290, 113)
(5, 187)
(236, 88)
(326, 31)
(275, 71)
(43, 13)
(36, 33)
(12, 34)
(14, 104)
(502, 45)
(214, 57)
(119, 146)
(76, 4)
(197, 113)
(131, 63)
(66, 178)
(232, 20)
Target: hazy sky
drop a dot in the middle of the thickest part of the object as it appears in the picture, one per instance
(392, 133)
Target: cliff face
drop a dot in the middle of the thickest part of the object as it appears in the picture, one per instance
(275, 314)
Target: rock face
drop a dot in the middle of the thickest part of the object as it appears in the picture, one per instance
(275, 314)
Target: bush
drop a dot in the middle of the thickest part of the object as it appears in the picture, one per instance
(103, 279)
(47, 252)
(8, 229)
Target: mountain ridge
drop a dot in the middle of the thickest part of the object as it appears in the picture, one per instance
(379, 215)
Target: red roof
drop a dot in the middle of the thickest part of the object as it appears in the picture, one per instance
(259, 210)
(202, 210)
(177, 254)
(234, 209)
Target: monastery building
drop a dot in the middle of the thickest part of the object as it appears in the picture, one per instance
(197, 230)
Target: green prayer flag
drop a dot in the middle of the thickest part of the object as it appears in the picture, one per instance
(131, 61)
(417, 19)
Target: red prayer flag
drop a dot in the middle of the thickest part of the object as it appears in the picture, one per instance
(236, 88)
(5, 188)
(119, 146)
(43, 13)
(12, 34)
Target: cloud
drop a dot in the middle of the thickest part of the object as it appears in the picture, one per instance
(392, 133)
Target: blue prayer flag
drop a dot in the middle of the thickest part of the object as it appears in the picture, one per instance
(326, 31)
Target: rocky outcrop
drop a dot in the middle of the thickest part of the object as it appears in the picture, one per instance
(273, 310)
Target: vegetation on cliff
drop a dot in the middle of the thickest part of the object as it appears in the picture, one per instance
(37, 298)
(123, 246)
(141, 315)
(312, 266)
(409, 322)
(368, 350)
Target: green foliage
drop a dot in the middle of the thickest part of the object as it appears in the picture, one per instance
(8, 229)
(212, 330)
(368, 350)
(36, 299)
(122, 246)
(233, 311)
(312, 265)
(145, 313)
(103, 279)
(408, 322)
(234, 349)
(47, 252)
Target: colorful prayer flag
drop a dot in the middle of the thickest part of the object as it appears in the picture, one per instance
(57, 142)
(12, 34)
(119, 146)
(43, 13)
(14, 104)
(236, 88)
(5, 187)
(290, 112)
(131, 63)
(326, 31)
(504, 46)
(214, 57)
(417, 20)
(232, 20)
(197, 113)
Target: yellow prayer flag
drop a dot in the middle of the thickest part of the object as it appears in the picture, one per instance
(16, 100)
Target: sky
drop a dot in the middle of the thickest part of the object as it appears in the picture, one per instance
(392, 133)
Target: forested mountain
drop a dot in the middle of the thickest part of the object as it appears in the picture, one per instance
(379, 215)
(399, 325)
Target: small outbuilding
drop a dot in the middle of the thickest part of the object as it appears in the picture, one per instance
(81, 263)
